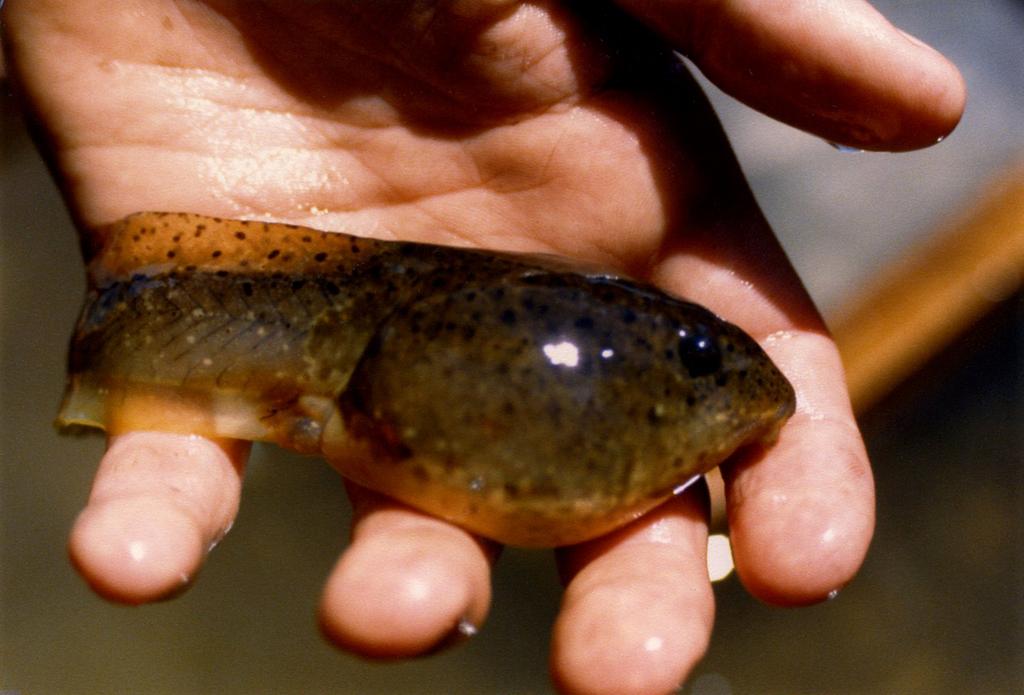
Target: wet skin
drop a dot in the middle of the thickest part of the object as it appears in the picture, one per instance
(518, 396)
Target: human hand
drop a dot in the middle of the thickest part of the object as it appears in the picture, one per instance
(500, 125)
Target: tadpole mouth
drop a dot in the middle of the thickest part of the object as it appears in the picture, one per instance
(782, 399)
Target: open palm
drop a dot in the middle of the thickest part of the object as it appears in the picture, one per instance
(519, 126)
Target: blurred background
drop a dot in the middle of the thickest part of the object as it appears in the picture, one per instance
(916, 261)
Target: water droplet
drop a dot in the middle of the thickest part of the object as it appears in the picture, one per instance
(832, 594)
(778, 336)
(846, 149)
(466, 628)
(476, 484)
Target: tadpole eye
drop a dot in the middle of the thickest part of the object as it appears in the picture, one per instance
(698, 352)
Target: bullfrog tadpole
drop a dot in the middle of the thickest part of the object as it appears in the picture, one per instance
(518, 396)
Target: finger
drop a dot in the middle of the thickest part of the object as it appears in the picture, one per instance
(408, 583)
(159, 502)
(802, 516)
(835, 68)
(638, 609)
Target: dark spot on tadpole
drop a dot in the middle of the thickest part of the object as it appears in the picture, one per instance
(331, 288)
(190, 269)
(176, 238)
(628, 316)
(433, 330)
(171, 254)
(216, 253)
(320, 257)
(273, 254)
(136, 237)
(247, 289)
(199, 230)
(306, 239)
(240, 235)
(508, 317)
(298, 285)
(222, 273)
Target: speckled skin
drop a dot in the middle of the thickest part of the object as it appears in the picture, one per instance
(525, 401)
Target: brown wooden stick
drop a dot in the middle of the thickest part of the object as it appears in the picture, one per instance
(922, 301)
